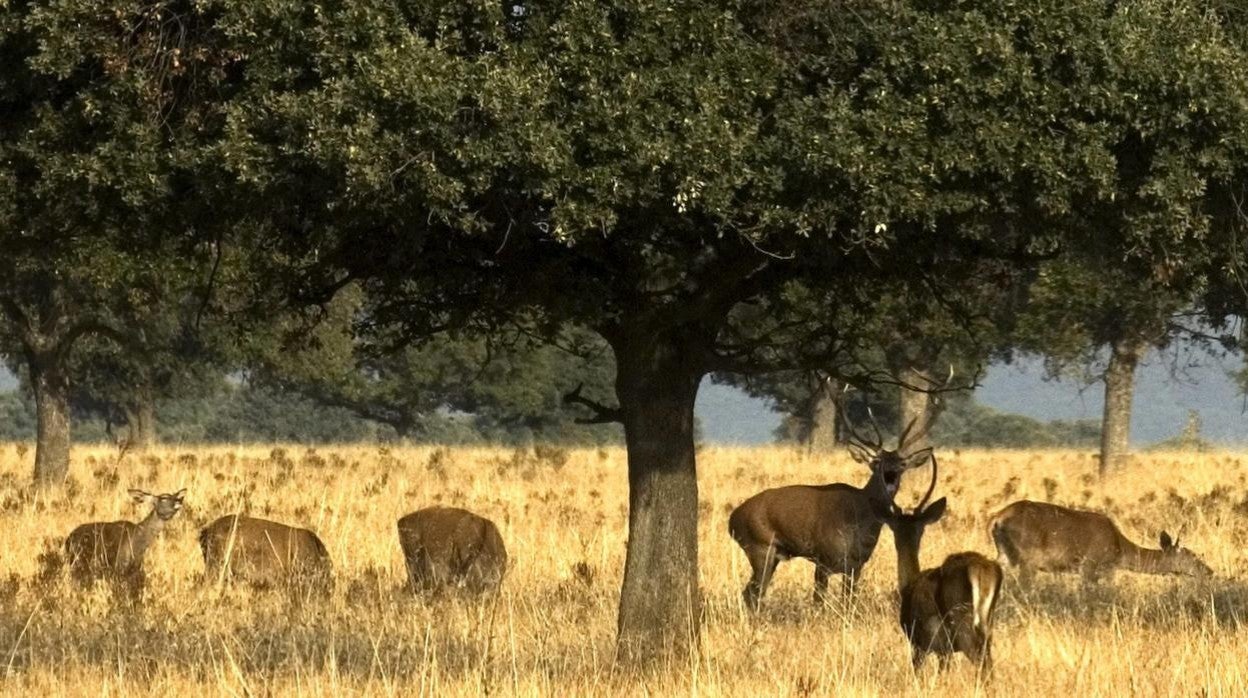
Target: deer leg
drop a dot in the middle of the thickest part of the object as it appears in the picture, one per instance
(763, 561)
(821, 584)
(973, 643)
(985, 659)
(1091, 575)
(1023, 575)
(917, 655)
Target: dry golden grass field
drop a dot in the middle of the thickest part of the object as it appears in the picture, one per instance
(550, 632)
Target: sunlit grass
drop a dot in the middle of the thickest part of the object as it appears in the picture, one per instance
(562, 515)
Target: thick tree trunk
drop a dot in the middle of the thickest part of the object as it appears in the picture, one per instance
(141, 418)
(660, 605)
(142, 425)
(51, 387)
(1119, 392)
(914, 408)
(823, 435)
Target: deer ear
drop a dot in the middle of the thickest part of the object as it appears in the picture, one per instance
(139, 495)
(860, 455)
(918, 458)
(1166, 543)
(935, 510)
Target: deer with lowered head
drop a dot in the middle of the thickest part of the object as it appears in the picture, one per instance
(114, 550)
(451, 548)
(264, 553)
(945, 609)
(833, 526)
(1039, 536)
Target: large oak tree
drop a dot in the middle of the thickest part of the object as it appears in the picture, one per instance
(687, 177)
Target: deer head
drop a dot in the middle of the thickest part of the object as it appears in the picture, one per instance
(1180, 560)
(887, 465)
(166, 506)
(906, 526)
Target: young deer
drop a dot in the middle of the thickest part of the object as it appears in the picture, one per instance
(833, 525)
(1038, 536)
(446, 547)
(264, 553)
(945, 609)
(114, 550)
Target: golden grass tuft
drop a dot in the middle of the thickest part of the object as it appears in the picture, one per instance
(562, 514)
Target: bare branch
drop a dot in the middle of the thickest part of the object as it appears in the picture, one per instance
(602, 413)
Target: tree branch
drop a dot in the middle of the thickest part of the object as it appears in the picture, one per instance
(18, 317)
(602, 413)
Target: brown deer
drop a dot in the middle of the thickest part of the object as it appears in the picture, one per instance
(446, 547)
(114, 550)
(1038, 536)
(833, 526)
(264, 553)
(945, 609)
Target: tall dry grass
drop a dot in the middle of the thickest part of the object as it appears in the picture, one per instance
(550, 632)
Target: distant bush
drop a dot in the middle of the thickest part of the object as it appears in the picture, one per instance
(968, 423)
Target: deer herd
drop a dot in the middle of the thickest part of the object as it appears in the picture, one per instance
(443, 547)
(943, 610)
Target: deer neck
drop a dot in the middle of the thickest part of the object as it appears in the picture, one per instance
(876, 489)
(1144, 560)
(907, 560)
(146, 532)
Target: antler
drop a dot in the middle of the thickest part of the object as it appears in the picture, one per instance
(932, 487)
(875, 426)
(903, 440)
(855, 439)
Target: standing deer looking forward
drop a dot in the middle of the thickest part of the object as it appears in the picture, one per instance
(1039, 536)
(834, 525)
(114, 549)
(945, 609)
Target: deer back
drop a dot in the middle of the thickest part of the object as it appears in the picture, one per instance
(94, 548)
(263, 552)
(452, 546)
(1057, 538)
(968, 588)
(831, 523)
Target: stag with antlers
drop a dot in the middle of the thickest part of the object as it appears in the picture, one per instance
(833, 526)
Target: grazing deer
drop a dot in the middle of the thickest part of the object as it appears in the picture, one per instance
(1038, 536)
(445, 547)
(115, 549)
(264, 553)
(834, 525)
(945, 609)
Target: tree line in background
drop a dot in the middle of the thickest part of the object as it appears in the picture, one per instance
(885, 196)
